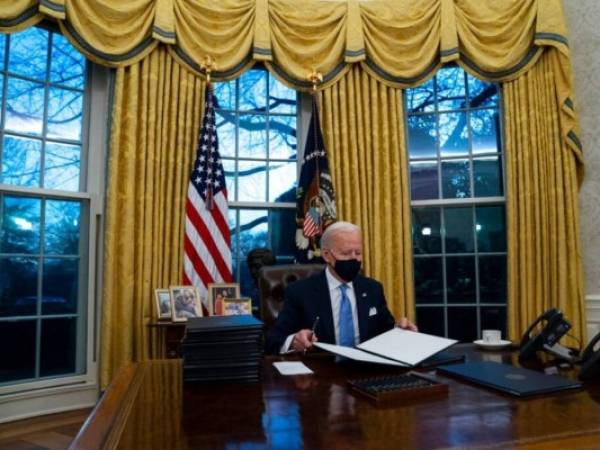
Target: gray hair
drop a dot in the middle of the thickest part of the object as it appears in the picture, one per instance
(335, 228)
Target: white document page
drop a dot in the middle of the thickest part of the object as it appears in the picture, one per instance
(409, 347)
(292, 368)
(358, 355)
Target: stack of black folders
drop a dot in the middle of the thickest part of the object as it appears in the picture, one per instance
(223, 348)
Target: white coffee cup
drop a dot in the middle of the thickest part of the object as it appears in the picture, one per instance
(491, 336)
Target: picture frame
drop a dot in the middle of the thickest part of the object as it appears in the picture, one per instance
(217, 292)
(185, 303)
(237, 306)
(162, 300)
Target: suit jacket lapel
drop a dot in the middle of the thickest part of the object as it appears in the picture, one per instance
(362, 306)
(325, 330)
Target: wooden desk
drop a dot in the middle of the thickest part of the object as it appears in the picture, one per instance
(169, 337)
(146, 407)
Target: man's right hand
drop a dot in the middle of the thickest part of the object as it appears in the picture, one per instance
(303, 340)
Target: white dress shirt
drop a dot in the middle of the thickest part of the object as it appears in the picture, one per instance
(335, 296)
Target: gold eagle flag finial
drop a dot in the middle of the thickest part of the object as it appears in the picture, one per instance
(315, 78)
(208, 64)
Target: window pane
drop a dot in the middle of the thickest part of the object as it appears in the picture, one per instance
(253, 136)
(225, 93)
(21, 161)
(62, 227)
(2, 50)
(18, 358)
(28, 53)
(282, 181)
(253, 90)
(487, 176)
(24, 107)
(422, 136)
(494, 318)
(490, 227)
(455, 179)
(229, 168)
(61, 168)
(253, 230)
(18, 286)
(421, 98)
(67, 65)
(65, 114)
(282, 137)
(232, 222)
(252, 181)
(462, 323)
(451, 88)
(424, 180)
(459, 230)
(482, 93)
(57, 355)
(426, 230)
(454, 137)
(430, 320)
(226, 133)
(492, 279)
(59, 286)
(460, 279)
(282, 99)
(485, 131)
(20, 227)
(429, 284)
(282, 223)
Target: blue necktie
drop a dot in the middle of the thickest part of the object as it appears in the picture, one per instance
(346, 323)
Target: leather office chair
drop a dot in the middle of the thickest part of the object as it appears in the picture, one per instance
(272, 281)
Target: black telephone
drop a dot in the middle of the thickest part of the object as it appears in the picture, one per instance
(590, 361)
(555, 327)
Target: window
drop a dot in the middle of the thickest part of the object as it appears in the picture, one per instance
(458, 211)
(256, 122)
(44, 207)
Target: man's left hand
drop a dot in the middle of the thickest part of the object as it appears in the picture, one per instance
(406, 324)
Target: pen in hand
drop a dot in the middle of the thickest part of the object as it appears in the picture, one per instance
(314, 327)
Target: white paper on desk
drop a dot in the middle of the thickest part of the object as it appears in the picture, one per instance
(409, 347)
(359, 355)
(292, 368)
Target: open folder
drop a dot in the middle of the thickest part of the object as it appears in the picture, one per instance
(395, 347)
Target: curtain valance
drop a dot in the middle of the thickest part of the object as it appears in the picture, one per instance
(400, 42)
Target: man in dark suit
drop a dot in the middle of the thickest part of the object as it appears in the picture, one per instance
(351, 308)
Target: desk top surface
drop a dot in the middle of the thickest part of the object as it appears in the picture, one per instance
(148, 407)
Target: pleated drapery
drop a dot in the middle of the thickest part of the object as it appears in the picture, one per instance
(367, 51)
(544, 251)
(156, 116)
(360, 117)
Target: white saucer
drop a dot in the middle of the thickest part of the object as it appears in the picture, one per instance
(492, 346)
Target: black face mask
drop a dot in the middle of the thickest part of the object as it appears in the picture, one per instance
(347, 269)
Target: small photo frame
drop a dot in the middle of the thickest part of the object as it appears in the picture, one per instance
(217, 292)
(163, 304)
(185, 303)
(237, 307)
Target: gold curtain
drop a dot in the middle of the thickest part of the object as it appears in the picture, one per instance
(363, 127)
(156, 117)
(544, 251)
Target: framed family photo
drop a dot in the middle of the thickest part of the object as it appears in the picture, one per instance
(162, 299)
(185, 303)
(237, 306)
(217, 292)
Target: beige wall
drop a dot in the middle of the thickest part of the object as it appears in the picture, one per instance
(583, 20)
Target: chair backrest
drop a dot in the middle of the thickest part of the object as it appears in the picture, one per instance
(272, 281)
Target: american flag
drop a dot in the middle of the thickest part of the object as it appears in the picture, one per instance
(207, 244)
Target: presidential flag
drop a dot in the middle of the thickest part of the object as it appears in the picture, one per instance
(207, 244)
(315, 198)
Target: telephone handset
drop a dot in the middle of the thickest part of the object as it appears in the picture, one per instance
(555, 327)
(590, 361)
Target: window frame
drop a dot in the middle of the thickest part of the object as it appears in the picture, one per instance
(94, 150)
(472, 202)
